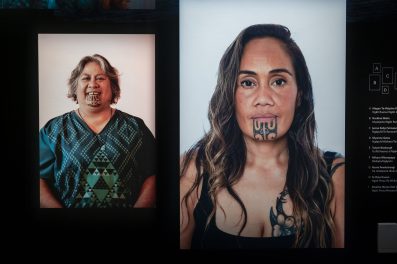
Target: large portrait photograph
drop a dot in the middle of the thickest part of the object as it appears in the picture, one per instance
(262, 124)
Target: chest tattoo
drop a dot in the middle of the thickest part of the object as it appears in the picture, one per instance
(282, 224)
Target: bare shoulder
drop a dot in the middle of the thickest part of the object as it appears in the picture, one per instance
(188, 170)
(190, 190)
(338, 202)
(338, 177)
(338, 182)
(188, 178)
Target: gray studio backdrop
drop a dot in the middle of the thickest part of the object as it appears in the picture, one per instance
(207, 28)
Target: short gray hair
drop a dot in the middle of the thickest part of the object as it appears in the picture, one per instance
(109, 70)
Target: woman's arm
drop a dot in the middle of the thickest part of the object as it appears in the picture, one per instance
(147, 195)
(47, 198)
(338, 204)
(186, 218)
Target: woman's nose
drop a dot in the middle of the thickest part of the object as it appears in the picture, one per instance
(264, 96)
(92, 83)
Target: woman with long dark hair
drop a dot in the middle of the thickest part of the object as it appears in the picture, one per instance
(257, 178)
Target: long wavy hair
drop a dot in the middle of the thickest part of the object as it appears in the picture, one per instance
(221, 153)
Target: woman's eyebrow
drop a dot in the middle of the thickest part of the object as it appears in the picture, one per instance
(247, 72)
(99, 74)
(278, 70)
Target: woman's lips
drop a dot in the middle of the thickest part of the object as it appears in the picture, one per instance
(264, 118)
(93, 93)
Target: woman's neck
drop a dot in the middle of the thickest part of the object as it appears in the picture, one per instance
(267, 154)
(97, 119)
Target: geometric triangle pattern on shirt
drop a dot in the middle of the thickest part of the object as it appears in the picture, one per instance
(100, 185)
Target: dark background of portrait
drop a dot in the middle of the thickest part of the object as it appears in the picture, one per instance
(108, 233)
(371, 30)
(97, 232)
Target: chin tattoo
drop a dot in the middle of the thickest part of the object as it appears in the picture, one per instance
(93, 100)
(265, 130)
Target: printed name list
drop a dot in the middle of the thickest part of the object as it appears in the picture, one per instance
(382, 149)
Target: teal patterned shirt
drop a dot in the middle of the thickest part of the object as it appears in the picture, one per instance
(102, 170)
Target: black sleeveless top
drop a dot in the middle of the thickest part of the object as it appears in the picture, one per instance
(214, 238)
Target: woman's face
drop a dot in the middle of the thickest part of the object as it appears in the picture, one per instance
(93, 88)
(266, 90)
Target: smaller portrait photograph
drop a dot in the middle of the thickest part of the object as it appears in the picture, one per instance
(97, 146)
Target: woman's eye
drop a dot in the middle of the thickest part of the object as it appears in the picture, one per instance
(247, 83)
(279, 82)
(85, 78)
